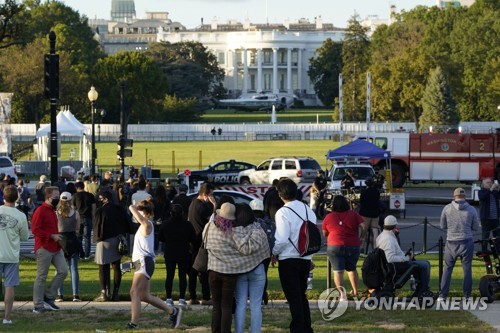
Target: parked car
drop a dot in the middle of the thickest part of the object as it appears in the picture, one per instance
(222, 172)
(299, 169)
(239, 197)
(7, 166)
(359, 171)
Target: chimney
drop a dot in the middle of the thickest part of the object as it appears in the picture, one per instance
(214, 23)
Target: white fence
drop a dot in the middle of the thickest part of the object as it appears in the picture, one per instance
(254, 131)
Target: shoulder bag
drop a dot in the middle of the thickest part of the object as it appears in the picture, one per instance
(201, 261)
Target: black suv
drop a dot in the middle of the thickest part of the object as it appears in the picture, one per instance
(222, 172)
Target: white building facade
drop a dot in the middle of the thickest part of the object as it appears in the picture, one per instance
(271, 58)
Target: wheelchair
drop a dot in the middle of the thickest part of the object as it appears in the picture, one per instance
(489, 284)
(396, 275)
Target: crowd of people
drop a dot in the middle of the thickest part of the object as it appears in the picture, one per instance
(242, 241)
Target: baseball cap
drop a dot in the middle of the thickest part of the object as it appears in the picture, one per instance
(459, 192)
(257, 204)
(390, 221)
(65, 196)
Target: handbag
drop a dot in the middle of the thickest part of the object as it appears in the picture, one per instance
(201, 261)
(122, 244)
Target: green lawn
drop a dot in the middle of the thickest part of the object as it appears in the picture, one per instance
(218, 116)
(89, 276)
(170, 157)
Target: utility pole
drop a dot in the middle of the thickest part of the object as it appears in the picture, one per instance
(51, 60)
(123, 142)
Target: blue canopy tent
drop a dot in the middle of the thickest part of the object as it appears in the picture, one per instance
(358, 148)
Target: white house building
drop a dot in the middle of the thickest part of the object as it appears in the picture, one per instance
(267, 57)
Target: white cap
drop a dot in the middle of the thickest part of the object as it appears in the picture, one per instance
(65, 196)
(257, 204)
(390, 221)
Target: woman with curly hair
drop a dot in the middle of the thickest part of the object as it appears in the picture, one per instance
(143, 257)
(68, 224)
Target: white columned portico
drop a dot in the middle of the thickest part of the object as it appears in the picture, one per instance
(275, 70)
(259, 70)
(245, 71)
(289, 71)
(235, 70)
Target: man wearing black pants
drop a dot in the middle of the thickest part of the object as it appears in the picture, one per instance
(293, 269)
(199, 214)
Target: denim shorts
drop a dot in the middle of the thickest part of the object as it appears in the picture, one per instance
(343, 257)
(10, 273)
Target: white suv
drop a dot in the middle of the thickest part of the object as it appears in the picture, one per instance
(7, 167)
(299, 169)
(359, 171)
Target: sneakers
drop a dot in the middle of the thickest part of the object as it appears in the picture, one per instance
(193, 301)
(39, 310)
(132, 326)
(175, 317)
(59, 298)
(51, 305)
(7, 322)
(206, 302)
(170, 302)
(76, 298)
(182, 303)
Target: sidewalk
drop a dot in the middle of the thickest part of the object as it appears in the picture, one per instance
(490, 315)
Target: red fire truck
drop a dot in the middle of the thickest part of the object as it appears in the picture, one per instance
(439, 157)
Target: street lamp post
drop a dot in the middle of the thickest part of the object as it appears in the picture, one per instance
(92, 98)
(102, 114)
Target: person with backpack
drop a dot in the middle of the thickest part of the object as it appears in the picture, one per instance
(293, 266)
(342, 227)
(388, 242)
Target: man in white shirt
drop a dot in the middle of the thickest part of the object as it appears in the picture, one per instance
(141, 194)
(293, 269)
(13, 230)
(388, 242)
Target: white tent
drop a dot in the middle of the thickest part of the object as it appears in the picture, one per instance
(67, 125)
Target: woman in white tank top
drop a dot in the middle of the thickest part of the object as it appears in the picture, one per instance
(143, 258)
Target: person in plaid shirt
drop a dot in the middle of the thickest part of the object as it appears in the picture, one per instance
(232, 250)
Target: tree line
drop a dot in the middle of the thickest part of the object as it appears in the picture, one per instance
(410, 60)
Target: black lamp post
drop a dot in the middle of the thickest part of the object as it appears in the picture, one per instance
(92, 98)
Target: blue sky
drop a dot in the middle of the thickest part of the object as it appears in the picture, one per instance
(190, 12)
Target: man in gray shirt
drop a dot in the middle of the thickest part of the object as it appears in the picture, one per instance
(459, 219)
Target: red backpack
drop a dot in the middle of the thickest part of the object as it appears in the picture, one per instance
(309, 236)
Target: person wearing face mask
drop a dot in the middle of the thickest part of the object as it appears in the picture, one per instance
(460, 220)
(110, 221)
(47, 251)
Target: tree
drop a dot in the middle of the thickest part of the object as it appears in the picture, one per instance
(324, 71)
(10, 27)
(355, 59)
(438, 105)
(22, 71)
(146, 86)
(180, 109)
(191, 68)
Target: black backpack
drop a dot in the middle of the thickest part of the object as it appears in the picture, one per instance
(374, 269)
(309, 236)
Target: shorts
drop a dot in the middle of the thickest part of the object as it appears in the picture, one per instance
(145, 266)
(10, 273)
(371, 222)
(343, 257)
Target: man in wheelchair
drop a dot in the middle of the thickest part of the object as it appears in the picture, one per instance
(401, 266)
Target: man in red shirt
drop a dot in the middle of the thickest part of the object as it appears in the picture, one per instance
(47, 251)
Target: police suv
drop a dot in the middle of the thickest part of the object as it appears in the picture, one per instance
(222, 172)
